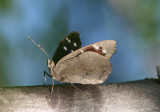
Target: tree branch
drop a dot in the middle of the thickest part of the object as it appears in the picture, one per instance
(138, 96)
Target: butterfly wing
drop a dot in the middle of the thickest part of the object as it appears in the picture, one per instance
(69, 44)
(87, 65)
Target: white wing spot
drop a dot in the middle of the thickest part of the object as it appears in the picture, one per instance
(69, 41)
(66, 38)
(104, 51)
(74, 44)
(72, 51)
(81, 51)
(65, 48)
(96, 47)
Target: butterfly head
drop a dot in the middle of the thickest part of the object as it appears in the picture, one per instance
(51, 65)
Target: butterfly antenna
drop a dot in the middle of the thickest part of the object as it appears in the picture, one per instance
(39, 46)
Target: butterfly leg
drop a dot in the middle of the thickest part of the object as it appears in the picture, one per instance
(63, 78)
(45, 73)
(73, 85)
(52, 85)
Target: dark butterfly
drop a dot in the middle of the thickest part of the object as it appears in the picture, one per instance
(87, 65)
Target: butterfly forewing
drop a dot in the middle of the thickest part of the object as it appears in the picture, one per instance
(69, 44)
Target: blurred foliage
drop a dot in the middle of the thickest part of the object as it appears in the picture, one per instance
(141, 15)
(5, 4)
(4, 47)
(146, 22)
(59, 28)
(4, 50)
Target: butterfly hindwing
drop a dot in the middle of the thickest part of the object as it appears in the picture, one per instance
(69, 44)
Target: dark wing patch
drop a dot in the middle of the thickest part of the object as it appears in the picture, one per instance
(69, 44)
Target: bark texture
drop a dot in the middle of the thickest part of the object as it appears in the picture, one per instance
(138, 96)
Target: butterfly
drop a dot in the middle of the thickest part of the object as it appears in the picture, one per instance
(85, 65)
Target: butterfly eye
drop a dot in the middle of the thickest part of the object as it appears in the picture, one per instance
(49, 63)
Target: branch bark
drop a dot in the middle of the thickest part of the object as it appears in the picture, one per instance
(138, 96)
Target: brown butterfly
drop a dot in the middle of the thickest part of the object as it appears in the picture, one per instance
(87, 65)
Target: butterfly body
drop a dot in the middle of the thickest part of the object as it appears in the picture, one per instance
(86, 65)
